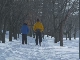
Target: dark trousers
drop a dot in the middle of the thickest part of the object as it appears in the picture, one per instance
(38, 37)
(24, 38)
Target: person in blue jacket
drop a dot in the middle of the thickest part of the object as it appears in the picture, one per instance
(24, 31)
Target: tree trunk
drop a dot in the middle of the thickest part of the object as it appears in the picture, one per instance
(10, 33)
(61, 35)
(66, 36)
(15, 32)
(4, 31)
(70, 35)
(10, 28)
(0, 33)
(58, 37)
(47, 32)
(55, 36)
(1, 25)
(75, 33)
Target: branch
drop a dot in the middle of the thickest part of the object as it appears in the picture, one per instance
(68, 13)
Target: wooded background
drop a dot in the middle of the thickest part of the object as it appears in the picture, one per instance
(59, 17)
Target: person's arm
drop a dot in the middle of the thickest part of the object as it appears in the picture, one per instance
(42, 28)
(34, 27)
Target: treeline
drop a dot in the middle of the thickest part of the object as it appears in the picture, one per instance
(58, 17)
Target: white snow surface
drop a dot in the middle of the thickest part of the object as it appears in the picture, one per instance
(47, 51)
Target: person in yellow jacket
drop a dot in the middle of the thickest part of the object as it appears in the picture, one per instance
(38, 29)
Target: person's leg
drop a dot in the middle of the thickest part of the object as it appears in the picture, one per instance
(22, 38)
(36, 39)
(40, 38)
(25, 38)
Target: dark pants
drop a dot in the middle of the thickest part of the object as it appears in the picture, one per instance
(24, 38)
(38, 36)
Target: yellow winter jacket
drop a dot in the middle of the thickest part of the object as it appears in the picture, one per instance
(38, 25)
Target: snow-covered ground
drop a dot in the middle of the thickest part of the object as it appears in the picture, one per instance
(48, 51)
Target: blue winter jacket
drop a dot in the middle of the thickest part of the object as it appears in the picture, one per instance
(24, 29)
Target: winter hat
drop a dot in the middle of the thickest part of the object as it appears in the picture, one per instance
(37, 20)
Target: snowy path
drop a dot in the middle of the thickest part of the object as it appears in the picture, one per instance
(48, 51)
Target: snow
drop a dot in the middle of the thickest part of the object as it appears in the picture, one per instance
(48, 51)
